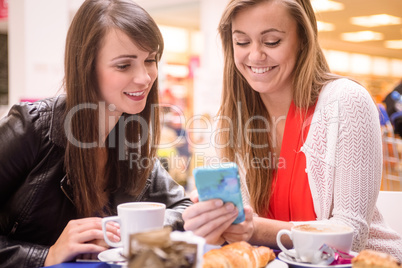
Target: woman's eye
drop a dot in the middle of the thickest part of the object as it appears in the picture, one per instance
(151, 60)
(272, 44)
(242, 43)
(122, 66)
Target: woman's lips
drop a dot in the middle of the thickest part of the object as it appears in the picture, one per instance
(136, 96)
(261, 70)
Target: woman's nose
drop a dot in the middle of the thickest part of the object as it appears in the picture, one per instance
(141, 76)
(257, 53)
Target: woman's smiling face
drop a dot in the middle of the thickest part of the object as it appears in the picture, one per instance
(266, 45)
(125, 73)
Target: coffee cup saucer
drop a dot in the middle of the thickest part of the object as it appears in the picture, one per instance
(292, 263)
(113, 255)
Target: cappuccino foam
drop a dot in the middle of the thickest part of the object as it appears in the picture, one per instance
(322, 228)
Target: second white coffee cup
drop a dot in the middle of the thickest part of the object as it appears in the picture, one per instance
(135, 217)
(309, 238)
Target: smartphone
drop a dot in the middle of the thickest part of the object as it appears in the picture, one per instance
(220, 182)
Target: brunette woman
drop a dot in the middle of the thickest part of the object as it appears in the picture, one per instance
(67, 161)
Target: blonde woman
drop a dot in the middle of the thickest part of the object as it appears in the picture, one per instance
(308, 142)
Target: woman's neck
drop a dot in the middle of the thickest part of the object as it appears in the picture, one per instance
(277, 104)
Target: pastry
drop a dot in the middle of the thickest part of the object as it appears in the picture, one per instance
(238, 254)
(156, 248)
(373, 259)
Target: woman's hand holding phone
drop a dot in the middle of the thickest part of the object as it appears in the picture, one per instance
(210, 219)
(213, 219)
(220, 206)
(242, 231)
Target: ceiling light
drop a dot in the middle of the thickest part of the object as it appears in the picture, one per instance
(376, 20)
(362, 36)
(325, 26)
(326, 5)
(394, 44)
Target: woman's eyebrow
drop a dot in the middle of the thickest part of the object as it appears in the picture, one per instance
(263, 32)
(125, 56)
(272, 30)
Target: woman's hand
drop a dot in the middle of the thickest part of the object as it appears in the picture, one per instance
(209, 219)
(82, 236)
(242, 231)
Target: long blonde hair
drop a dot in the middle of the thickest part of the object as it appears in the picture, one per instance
(88, 28)
(240, 101)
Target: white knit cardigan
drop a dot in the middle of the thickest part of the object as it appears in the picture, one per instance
(343, 152)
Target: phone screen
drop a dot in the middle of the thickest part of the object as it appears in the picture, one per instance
(221, 182)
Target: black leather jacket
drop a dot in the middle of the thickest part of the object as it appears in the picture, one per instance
(35, 196)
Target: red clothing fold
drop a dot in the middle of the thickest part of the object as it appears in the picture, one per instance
(291, 198)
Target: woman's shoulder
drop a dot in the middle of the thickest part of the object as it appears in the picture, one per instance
(36, 117)
(35, 109)
(343, 85)
(343, 90)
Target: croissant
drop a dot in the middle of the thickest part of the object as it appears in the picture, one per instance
(238, 254)
(370, 258)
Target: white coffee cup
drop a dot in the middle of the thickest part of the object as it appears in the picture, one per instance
(309, 238)
(135, 217)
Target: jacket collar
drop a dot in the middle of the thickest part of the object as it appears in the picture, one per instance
(57, 132)
(58, 137)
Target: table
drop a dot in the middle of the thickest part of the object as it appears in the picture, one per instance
(85, 265)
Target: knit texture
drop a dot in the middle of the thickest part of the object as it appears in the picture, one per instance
(344, 163)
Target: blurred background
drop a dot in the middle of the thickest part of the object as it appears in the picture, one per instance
(362, 39)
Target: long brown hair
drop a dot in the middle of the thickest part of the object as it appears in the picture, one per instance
(240, 101)
(88, 28)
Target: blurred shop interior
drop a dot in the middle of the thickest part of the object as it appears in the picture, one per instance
(361, 39)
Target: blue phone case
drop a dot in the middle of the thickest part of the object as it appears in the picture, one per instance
(220, 182)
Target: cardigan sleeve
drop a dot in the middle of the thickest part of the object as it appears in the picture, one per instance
(345, 158)
(358, 162)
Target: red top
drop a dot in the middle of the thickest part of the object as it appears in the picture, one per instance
(291, 198)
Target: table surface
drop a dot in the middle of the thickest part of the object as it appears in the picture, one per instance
(85, 265)
(95, 264)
